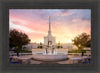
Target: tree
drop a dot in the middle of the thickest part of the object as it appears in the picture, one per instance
(40, 45)
(59, 45)
(82, 40)
(17, 39)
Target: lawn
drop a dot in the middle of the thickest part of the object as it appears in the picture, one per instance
(23, 51)
(77, 51)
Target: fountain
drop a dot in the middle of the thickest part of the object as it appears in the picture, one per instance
(50, 56)
(49, 52)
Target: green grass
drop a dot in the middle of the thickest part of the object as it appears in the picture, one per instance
(77, 51)
(23, 51)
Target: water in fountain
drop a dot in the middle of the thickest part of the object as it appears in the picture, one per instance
(49, 52)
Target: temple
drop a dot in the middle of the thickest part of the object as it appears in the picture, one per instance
(49, 40)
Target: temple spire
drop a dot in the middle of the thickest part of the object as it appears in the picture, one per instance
(49, 32)
(49, 24)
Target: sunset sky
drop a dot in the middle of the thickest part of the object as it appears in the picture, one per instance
(65, 23)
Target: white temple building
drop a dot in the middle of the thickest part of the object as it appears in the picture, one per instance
(49, 42)
(49, 39)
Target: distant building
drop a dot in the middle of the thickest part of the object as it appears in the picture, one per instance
(68, 46)
(30, 46)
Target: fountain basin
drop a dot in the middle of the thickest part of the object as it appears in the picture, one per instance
(49, 57)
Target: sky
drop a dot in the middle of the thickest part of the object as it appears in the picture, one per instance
(66, 24)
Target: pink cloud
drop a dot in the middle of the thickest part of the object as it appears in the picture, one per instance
(17, 20)
(39, 26)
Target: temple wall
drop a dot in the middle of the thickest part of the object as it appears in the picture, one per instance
(51, 39)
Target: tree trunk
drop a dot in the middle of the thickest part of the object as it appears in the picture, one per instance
(82, 53)
(18, 50)
(18, 54)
